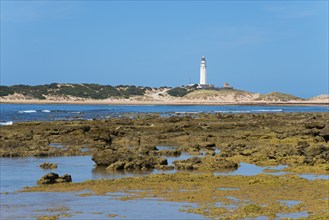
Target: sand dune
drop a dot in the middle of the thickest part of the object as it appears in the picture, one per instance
(197, 97)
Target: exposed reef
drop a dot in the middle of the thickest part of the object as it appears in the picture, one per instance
(294, 139)
(209, 163)
(224, 197)
(117, 158)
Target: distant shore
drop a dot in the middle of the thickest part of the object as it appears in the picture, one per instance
(155, 102)
(93, 94)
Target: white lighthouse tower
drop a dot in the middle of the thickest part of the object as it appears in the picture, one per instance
(203, 71)
(203, 75)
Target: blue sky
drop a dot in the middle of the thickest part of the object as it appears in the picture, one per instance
(258, 46)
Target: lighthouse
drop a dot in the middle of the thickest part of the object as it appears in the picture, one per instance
(203, 75)
(203, 71)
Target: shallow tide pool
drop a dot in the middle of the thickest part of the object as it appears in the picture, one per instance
(16, 173)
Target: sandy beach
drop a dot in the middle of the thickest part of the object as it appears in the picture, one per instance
(164, 101)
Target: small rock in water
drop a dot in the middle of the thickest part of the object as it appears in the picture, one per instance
(47, 165)
(52, 178)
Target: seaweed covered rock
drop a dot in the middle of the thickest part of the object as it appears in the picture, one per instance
(211, 163)
(52, 178)
(324, 133)
(47, 165)
(188, 164)
(169, 153)
(117, 158)
(110, 155)
(217, 163)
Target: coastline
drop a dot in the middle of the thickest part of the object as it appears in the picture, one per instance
(164, 102)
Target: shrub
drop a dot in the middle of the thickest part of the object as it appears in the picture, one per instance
(178, 92)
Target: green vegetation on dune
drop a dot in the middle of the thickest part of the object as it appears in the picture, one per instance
(278, 96)
(99, 92)
(92, 91)
(204, 93)
(5, 90)
(178, 92)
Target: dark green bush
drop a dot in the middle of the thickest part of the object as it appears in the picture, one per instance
(6, 90)
(178, 92)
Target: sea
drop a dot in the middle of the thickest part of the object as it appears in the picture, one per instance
(17, 173)
(12, 113)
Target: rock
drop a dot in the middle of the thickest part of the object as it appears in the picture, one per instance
(148, 150)
(211, 145)
(313, 132)
(47, 165)
(85, 128)
(164, 167)
(117, 166)
(48, 178)
(64, 179)
(109, 156)
(169, 153)
(316, 125)
(162, 161)
(129, 166)
(216, 162)
(325, 133)
(301, 146)
(212, 163)
(188, 164)
(52, 178)
(246, 152)
(117, 158)
(101, 135)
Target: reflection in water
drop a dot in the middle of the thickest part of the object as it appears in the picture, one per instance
(183, 156)
(100, 172)
(294, 215)
(227, 188)
(314, 176)
(166, 148)
(33, 205)
(290, 203)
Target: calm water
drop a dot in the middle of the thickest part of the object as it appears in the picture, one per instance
(16, 173)
(31, 112)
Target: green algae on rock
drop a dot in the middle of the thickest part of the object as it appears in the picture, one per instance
(259, 195)
(293, 139)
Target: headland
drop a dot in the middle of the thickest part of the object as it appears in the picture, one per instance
(138, 95)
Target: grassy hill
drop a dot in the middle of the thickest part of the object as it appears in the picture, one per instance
(90, 91)
(99, 92)
(220, 94)
(278, 96)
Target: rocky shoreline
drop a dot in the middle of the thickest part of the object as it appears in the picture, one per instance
(218, 142)
(293, 139)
